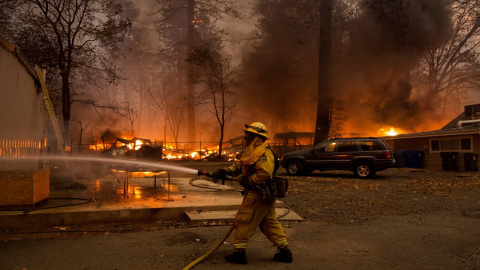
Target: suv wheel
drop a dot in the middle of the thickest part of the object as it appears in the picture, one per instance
(364, 170)
(294, 168)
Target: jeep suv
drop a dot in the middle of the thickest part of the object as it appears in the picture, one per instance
(363, 156)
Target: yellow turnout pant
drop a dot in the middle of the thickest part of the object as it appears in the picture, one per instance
(252, 214)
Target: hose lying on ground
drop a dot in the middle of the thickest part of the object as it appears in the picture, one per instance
(26, 211)
(201, 258)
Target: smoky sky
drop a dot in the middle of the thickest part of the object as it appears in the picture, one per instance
(278, 82)
(390, 38)
(279, 74)
(371, 75)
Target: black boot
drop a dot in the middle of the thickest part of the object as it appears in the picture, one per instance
(284, 255)
(239, 257)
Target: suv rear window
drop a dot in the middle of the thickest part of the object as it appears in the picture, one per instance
(370, 145)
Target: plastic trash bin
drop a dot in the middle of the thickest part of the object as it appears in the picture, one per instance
(401, 161)
(471, 162)
(449, 161)
(414, 159)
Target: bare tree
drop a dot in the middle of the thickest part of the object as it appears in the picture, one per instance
(68, 38)
(183, 25)
(214, 73)
(165, 99)
(451, 69)
(129, 114)
(82, 129)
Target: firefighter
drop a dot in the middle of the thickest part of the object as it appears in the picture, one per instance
(255, 166)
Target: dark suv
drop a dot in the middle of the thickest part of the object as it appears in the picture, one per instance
(363, 156)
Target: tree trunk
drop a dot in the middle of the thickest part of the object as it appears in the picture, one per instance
(66, 105)
(79, 140)
(140, 109)
(220, 144)
(190, 85)
(324, 103)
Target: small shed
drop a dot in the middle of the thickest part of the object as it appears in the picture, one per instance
(23, 116)
(23, 130)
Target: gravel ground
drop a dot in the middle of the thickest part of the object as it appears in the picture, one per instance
(400, 219)
(339, 198)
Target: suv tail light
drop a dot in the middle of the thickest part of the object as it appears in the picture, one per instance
(387, 155)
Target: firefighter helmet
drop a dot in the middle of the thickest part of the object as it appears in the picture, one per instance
(257, 128)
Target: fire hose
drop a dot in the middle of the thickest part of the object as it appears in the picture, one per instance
(201, 258)
(219, 243)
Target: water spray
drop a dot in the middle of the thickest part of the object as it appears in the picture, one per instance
(155, 165)
(161, 166)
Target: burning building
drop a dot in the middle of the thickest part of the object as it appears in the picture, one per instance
(135, 148)
(456, 146)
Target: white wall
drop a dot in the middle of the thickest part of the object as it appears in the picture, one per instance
(23, 117)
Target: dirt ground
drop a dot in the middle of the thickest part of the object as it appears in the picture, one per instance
(339, 198)
(336, 202)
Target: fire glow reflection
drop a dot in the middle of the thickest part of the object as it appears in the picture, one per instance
(170, 187)
(132, 190)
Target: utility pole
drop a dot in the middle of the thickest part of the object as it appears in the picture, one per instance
(324, 103)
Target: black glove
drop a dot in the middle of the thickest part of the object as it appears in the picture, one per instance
(220, 174)
(244, 182)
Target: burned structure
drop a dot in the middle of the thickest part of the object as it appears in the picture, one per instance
(135, 148)
(292, 141)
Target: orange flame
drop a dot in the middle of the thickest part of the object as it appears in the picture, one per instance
(391, 131)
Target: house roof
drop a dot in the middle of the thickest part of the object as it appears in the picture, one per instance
(15, 51)
(466, 123)
(436, 133)
(453, 123)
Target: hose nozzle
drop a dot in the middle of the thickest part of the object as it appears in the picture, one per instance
(209, 174)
